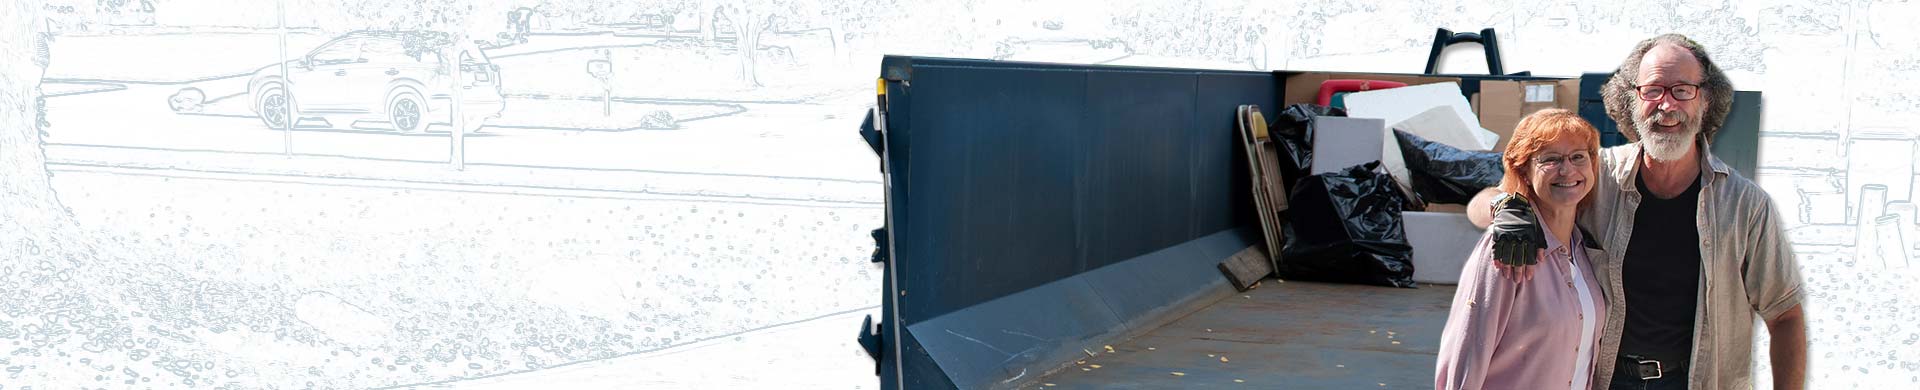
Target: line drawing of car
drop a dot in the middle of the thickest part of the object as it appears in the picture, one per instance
(394, 80)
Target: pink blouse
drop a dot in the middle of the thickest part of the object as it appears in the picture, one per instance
(1538, 334)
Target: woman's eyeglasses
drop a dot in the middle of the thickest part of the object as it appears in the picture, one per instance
(1555, 161)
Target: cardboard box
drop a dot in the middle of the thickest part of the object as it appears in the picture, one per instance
(1501, 104)
(1441, 243)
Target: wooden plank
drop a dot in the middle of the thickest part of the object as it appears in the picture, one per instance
(1245, 269)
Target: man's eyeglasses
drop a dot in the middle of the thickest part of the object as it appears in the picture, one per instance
(1680, 92)
(1555, 161)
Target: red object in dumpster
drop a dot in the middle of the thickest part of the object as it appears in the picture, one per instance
(1330, 87)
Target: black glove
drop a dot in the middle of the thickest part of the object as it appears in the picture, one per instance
(1517, 239)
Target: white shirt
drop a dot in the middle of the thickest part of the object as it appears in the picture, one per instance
(1583, 363)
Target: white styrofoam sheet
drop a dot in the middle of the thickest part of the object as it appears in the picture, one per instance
(1340, 142)
(1441, 243)
(1439, 124)
(1398, 104)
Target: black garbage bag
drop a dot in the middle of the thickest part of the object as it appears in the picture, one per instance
(1345, 227)
(1293, 131)
(1445, 174)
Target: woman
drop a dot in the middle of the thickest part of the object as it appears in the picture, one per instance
(1538, 333)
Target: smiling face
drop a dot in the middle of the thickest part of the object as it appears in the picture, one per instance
(1552, 160)
(1669, 125)
(1562, 174)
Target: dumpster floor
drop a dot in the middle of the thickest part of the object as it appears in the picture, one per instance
(1282, 335)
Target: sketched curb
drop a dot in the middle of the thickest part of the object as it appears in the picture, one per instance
(479, 177)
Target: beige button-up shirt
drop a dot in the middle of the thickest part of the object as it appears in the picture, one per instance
(1747, 267)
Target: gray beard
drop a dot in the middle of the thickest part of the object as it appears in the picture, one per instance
(1665, 147)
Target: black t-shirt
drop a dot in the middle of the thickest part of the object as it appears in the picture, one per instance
(1661, 276)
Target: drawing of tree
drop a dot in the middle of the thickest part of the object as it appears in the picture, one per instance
(27, 200)
(1197, 30)
(481, 18)
(750, 20)
(39, 236)
(127, 12)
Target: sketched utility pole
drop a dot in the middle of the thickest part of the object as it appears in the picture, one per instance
(602, 69)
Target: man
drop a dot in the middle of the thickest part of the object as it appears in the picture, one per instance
(1704, 253)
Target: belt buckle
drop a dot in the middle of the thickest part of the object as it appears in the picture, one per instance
(1658, 370)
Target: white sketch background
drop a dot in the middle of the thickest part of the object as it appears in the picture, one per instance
(708, 229)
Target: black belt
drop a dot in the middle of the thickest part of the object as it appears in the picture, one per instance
(1636, 366)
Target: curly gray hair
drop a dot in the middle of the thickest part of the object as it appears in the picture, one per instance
(1620, 91)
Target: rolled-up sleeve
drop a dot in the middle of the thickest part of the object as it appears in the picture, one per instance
(1481, 308)
(1772, 273)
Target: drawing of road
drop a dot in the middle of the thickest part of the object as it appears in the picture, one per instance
(653, 207)
(555, 117)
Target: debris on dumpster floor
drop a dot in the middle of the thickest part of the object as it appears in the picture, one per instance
(1244, 269)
